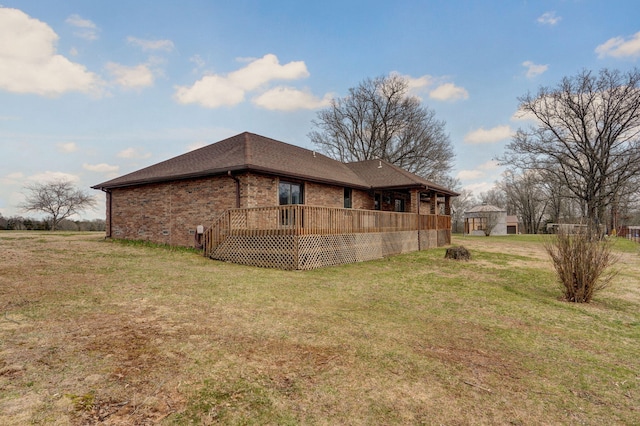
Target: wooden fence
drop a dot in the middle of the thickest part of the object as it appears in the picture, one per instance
(300, 220)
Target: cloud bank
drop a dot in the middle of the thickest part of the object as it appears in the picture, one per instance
(216, 90)
(620, 47)
(486, 136)
(29, 62)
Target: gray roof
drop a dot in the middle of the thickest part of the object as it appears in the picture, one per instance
(251, 152)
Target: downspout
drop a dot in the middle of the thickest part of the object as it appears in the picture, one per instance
(237, 188)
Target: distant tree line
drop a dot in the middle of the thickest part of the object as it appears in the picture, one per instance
(19, 223)
(536, 201)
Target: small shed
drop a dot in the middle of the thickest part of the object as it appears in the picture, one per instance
(485, 219)
(513, 226)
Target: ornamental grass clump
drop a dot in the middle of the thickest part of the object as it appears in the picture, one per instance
(583, 262)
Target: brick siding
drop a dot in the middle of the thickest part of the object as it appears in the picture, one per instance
(169, 212)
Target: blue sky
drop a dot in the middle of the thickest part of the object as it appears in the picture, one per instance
(90, 90)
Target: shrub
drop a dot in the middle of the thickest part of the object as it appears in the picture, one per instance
(582, 261)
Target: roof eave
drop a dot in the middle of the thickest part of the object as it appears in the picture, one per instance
(216, 172)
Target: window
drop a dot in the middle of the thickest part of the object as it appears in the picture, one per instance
(377, 201)
(290, 193)
(347, 198)
(399, 204)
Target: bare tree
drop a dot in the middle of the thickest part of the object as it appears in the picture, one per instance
(380, 120)
(494, 197)
(59, 199)
(527, 198)
(587, 136)
(492, 219)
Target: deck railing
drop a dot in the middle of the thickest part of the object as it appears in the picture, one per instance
(298, 219)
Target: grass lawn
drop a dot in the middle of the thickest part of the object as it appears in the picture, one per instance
(95, 331)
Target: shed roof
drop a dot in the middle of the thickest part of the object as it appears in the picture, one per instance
(485, 208)
(251, 152)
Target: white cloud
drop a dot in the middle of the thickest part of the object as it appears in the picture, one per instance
(444, 89)
(265, 69)
(197, 59)
(29, 63)
(289, 99)
(100, 168)
(479, 187)
(619, 47)
(479, 171)
(470, 174)
(520, 115)
(489, 165)
(549, 18)
(534, 69)
(14, 178)
(449, 92)
(67, 147)
(86, 28)
(134, 77)
(213, 91)
(416, 85)
(49, 176)
(15, 175)
(166, 45)
(133, 153)
(495, 134)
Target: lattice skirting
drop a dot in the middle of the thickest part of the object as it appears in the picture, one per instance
(267, 251)
(315, 251)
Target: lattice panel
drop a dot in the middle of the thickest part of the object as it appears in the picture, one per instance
(316, 251)
(267, 251)
(428, 239)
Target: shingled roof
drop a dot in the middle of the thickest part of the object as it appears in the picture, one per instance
(251, 152)
(381, 174)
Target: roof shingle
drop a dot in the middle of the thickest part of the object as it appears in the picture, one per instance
(251, 152)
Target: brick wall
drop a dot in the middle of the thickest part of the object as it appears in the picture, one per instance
(259, 190)
(323, 195)
(362, 200)
(168, 213)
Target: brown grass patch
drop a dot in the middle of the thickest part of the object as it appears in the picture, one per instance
(95, 332)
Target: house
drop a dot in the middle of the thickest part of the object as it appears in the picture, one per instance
(485, 219)
(254, 200)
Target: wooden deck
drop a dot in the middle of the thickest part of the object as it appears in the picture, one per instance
(306, 237)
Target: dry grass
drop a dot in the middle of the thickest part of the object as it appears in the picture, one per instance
(112, 333)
